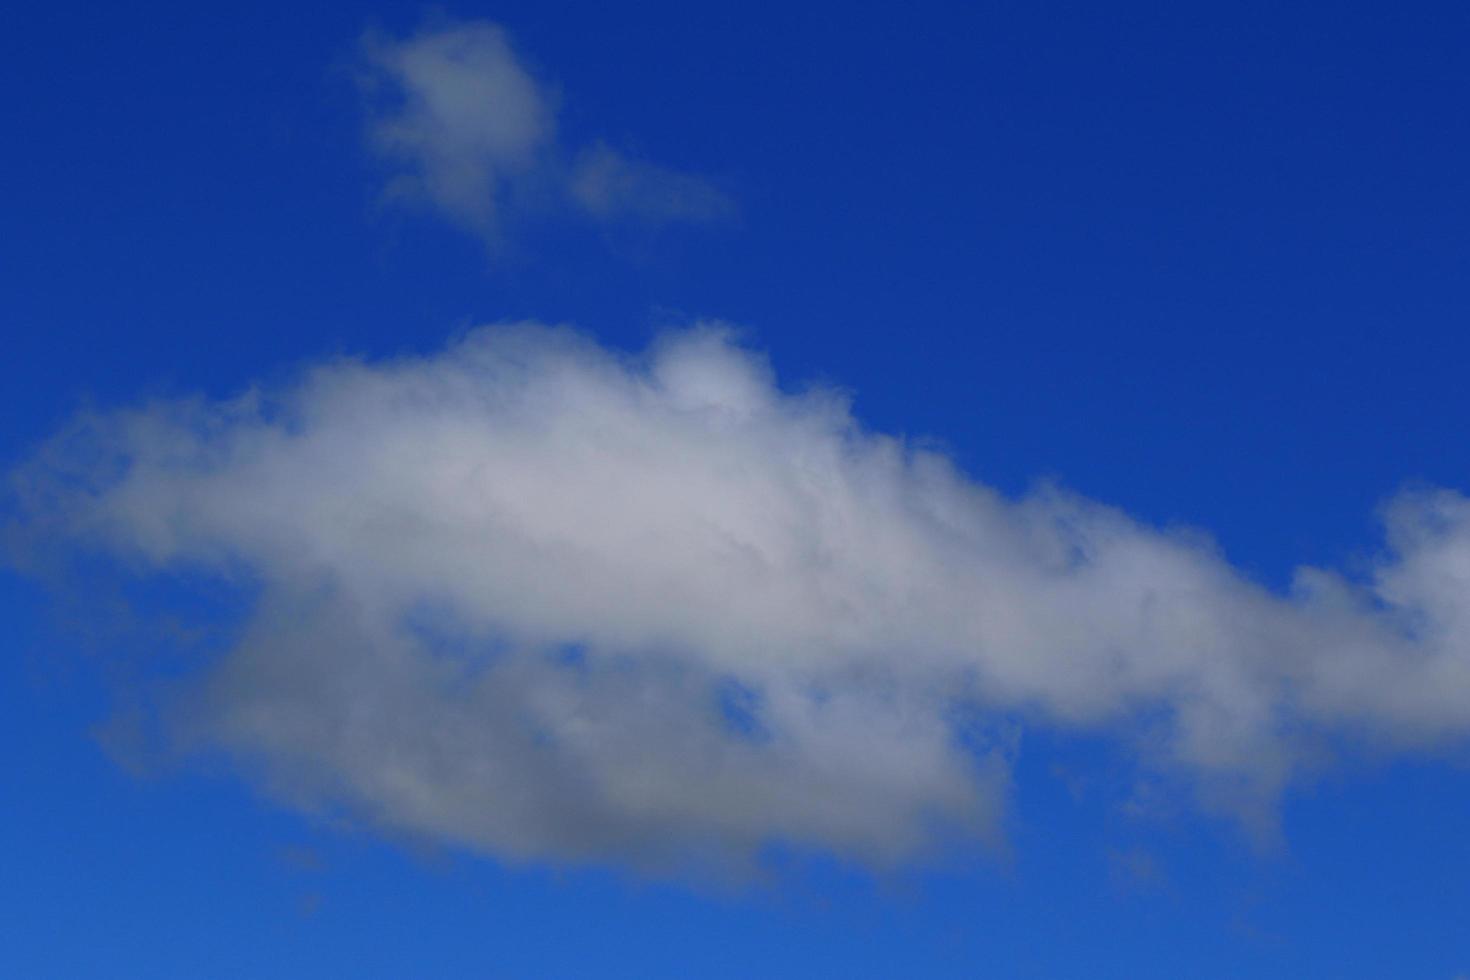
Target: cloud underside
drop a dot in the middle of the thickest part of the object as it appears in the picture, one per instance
(468, 131)
(550, 601)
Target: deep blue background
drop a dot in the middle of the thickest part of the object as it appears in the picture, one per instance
(1207, 263)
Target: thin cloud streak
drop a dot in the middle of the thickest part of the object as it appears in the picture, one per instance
(550, 601)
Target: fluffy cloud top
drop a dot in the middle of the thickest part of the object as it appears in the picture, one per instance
(551, 601)
(469, 129)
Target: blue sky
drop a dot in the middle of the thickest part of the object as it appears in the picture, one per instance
(896, 570)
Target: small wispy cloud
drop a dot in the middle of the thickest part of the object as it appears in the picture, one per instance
(609, 184)
(553, 601)
(459, 116)
(468, 130)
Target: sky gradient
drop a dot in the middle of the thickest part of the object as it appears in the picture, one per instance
(856, 491)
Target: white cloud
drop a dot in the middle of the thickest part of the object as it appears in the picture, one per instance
(469, 130)
(539, 598)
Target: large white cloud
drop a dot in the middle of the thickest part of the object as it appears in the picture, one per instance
(548, 600)
(469, 130)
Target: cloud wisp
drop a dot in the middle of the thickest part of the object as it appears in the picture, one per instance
(470, 131)
(550, 601)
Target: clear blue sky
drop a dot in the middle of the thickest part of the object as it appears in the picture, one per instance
(1205, 264)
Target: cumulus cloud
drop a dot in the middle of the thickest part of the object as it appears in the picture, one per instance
(551, 601)
(470, 130)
